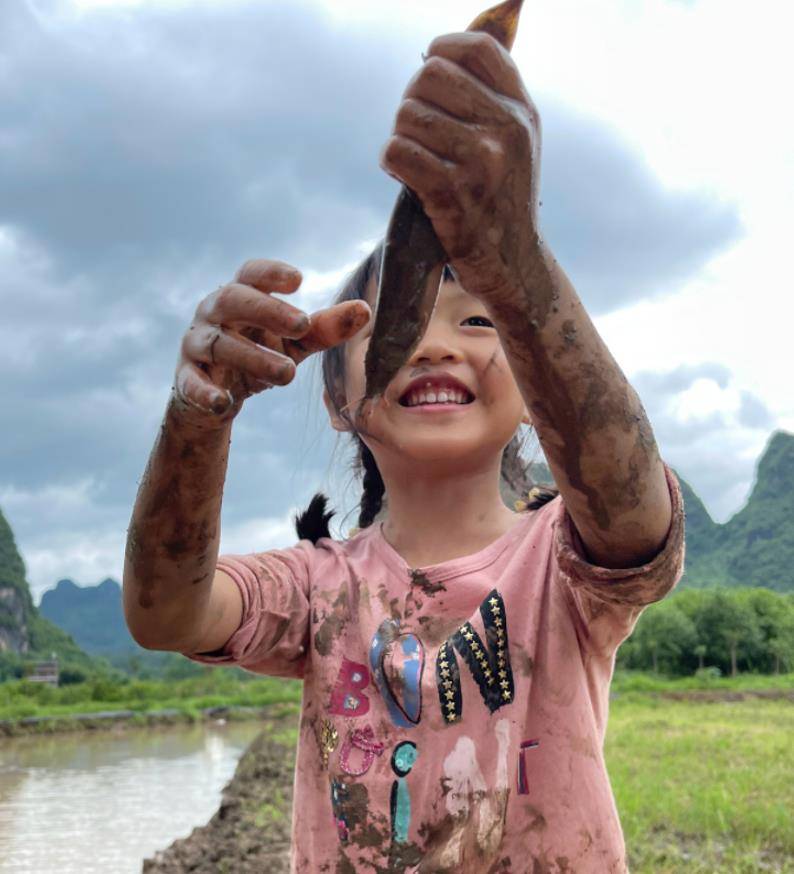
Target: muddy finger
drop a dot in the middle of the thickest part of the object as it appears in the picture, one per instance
(213, 346)
(269, 276)
(195, 388)
(329, 327)
(241, 305)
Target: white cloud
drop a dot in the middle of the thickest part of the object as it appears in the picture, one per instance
(258, 535)
(89, 549)
(56, 499)
(85, 556)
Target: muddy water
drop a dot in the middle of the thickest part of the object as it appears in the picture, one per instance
(85, 803)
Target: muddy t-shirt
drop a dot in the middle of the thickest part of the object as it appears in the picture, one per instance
(453, 716)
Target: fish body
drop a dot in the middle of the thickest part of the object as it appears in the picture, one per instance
(413, 261)
(413, 257)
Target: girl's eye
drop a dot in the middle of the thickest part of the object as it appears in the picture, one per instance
(488, 322)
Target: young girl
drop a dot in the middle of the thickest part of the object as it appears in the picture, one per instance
(456, 655)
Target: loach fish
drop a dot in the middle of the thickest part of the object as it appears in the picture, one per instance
(413, 257)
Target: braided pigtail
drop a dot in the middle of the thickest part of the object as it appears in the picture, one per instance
(312, 523)
(373, 487)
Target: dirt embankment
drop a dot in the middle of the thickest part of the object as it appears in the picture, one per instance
(250, 833)
(116, 720)
(728, 694)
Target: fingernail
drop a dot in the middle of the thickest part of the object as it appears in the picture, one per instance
(219, 404)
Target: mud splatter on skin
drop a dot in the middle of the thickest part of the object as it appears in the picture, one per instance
(172, 539)
(577, 399)
(568, 333)
(491, 363)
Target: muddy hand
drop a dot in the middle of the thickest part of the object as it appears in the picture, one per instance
(467, 142)
(243, 341)
(418, 240)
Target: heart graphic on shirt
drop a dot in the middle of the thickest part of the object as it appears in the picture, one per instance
(397, 660)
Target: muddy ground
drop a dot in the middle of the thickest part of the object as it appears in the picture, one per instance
(251, 830)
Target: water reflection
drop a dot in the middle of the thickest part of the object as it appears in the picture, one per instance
(102, 802)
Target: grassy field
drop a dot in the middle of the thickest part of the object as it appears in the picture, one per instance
(214, 688)
(704, 785)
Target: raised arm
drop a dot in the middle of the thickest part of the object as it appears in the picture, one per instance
(467, 142)
(242, 341)
(590, 421)
(172, 599)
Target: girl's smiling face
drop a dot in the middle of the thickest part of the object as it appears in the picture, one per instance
(460, 342)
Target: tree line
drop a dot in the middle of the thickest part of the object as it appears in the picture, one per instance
(743, 629)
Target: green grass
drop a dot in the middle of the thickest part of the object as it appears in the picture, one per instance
(20, 699)
(638, 681)
(704, 787)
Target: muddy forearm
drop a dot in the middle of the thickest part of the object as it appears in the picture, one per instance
(590, 421)
(174, 533)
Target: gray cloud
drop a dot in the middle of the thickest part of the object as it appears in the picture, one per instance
(144, 154)
(716, 453)
(666, 383)
(754, 413)
(620, 235)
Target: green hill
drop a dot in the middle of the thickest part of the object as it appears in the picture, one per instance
(756, 546)
(92, 615)
(25, 635)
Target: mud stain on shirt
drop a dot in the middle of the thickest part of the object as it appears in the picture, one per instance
(333, 624)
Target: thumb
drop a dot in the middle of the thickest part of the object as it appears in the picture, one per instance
(328, 328)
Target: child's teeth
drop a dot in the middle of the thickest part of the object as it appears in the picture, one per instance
(444, 396)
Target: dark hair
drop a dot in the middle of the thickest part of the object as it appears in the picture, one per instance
(312, 524)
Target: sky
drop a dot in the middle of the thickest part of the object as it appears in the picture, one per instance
(149, 147)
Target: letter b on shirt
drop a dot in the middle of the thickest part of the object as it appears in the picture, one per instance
(347, 698)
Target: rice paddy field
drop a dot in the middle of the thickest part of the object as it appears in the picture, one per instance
(704, 777)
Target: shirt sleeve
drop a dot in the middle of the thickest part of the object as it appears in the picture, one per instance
(273, 635)
(607, 602)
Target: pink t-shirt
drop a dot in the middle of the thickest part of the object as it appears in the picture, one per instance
(453, 717)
